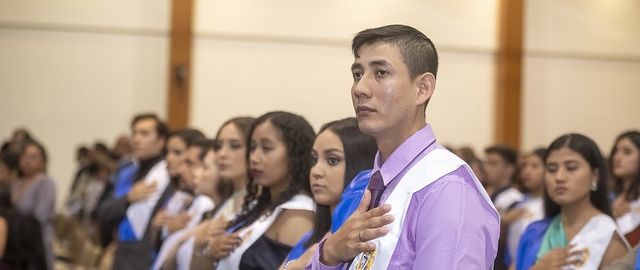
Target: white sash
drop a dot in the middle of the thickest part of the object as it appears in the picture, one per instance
(200, 205)
(433, 166)
(175, 206)
(593, 239)
(255, 230)
(534, 212)
(139, 212)
(630, 221)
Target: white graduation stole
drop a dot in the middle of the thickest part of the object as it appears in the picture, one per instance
(255, 230)
(593, 240)
(433, 166)
(139, 213)
(535, 212)
(201, 204)
(631, 220)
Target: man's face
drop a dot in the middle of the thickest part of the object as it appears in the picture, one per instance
(191, 165)
(496, 169)
(144, 139)
(383, 94)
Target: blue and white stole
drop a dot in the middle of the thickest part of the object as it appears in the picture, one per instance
(200, 204)
(592, 240)
(124, 183)
(133, 227)
(350, 200)
(433, 166)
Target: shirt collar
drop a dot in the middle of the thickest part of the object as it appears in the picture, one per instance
(404, 154)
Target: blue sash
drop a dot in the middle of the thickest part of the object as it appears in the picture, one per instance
(351, 197)
(299, 248)
(530, 243)
(125, 182)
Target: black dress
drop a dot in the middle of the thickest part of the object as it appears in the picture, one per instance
(264, 254)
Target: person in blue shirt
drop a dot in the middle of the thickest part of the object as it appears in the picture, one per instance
(340, 152)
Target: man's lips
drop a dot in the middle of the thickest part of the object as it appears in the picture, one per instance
(364, 109)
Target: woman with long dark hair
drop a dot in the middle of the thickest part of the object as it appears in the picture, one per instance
(578, 230)
(625, 170)
(340, 152)
(35, 193)
(277, 210)
(531, 208)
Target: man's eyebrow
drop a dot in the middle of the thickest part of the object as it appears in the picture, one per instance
(380, 62)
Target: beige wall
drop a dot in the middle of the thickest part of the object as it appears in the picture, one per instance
(76, 71)
(582, 70)
(254, 56)
(73, 72)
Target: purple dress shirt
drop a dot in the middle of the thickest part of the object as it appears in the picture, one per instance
(449, 225)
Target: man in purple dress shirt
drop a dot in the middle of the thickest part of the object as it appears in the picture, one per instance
(449, 221)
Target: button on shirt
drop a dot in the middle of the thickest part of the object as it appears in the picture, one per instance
(449, 225)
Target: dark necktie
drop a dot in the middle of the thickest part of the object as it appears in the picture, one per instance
(376, 186)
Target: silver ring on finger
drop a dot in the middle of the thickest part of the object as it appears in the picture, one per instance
(360, 236)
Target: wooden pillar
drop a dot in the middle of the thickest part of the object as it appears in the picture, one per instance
(509, 72)
(179, 63)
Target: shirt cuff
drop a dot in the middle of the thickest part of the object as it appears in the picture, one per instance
(315, 261)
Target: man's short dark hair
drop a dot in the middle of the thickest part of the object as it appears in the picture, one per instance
(418, 52)
(161, 128)
(507, 153)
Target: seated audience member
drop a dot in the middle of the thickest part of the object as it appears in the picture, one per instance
(500, 166)
(578, 231)
(141, 189)
(625, 169)
(173, 216)
(205, 190)
(83, 160)
(277, 210)
(340, 152)
(21, 245)
(34, 193)
(531, 208)
(121, 148)
(230, 160)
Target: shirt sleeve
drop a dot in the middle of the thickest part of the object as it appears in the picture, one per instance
(315, 263)
(46, 199)
(454, 227)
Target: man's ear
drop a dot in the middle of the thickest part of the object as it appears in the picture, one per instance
(426, 86)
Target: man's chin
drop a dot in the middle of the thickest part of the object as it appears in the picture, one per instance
(367, 127)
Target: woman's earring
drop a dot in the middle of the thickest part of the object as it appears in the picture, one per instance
(594, 186)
